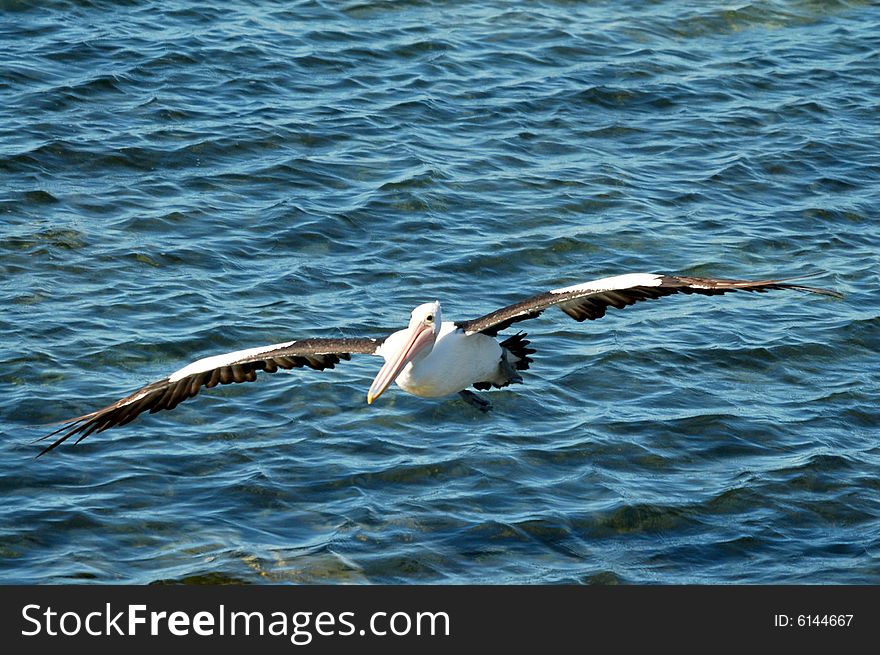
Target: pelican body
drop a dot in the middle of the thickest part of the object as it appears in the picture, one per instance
(430, 358)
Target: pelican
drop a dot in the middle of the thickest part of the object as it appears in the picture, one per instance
(430, 358)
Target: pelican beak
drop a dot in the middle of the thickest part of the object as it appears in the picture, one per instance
(416, 340)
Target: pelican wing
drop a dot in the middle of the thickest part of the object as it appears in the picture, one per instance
(589, 300)
(239, 366)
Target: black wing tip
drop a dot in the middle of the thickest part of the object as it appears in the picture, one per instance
(722, 285)
(822, 292)
(51, 446)
(45, 450)
(832, 293)
(82, 425)
(51, 434)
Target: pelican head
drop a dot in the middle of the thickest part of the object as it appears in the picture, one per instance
(406, 346)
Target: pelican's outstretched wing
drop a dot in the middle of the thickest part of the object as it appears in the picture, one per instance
(239, 366)
(589, 300)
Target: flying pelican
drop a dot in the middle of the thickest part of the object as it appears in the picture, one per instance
(430, 358)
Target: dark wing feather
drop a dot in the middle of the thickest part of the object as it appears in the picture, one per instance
(167, 393)
(591, 299)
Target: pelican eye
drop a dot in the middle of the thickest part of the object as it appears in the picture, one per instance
(429, 318)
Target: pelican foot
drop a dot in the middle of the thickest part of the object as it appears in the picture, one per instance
(476, 400)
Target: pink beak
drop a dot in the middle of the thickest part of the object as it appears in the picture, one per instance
(417, 339)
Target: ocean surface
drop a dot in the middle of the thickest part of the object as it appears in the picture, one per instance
(182, 179)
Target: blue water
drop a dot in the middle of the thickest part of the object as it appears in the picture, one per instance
(180, 179)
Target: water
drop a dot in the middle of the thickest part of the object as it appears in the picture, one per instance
(183, 179)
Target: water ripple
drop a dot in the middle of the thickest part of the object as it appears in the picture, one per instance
(184, 179)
